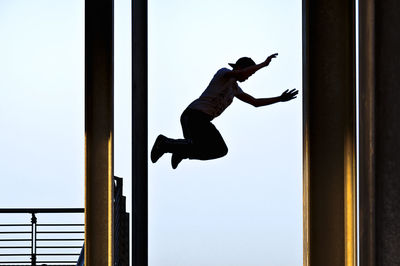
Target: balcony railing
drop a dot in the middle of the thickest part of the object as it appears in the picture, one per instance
(50, 236)
(121, 228)
(41, 236)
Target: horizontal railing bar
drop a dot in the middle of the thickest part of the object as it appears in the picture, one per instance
(15, 224)
(8, 262)
(16, 263)
(58, 254)
(57, 261)
(58, 239)
(42, 210)
(47, 262)
(15, 247)
(64, 263)
(16, 232)
(12, 240)
(60, 224)
(56, 247)
(16, 254)
(60, 232)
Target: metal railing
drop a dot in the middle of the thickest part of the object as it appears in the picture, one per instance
(121, 225)
(43, 241)
(121, 228)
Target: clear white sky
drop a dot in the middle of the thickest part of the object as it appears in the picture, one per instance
(243, 209)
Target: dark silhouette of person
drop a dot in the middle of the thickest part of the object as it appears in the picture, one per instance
(202, 140)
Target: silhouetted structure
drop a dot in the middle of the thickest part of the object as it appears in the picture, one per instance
(121, 226)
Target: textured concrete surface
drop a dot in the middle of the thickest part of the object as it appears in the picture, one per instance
(329, 90)
(99, 126)
(379, 132)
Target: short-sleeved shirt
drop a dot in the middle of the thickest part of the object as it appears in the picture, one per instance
(218, 95)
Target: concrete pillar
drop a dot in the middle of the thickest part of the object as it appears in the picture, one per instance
(379, 132)
(139, 134)
(329, 133)
(99, 126)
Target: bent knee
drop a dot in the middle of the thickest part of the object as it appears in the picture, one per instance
(223, 151)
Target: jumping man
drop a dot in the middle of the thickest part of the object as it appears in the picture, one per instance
(202, 140)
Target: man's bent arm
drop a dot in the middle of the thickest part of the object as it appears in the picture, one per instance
(248, 71)
(287, 95)
(257, 102)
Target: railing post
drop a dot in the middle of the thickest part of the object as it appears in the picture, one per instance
(33, 239)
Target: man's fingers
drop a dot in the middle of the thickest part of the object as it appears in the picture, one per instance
(272, 56)
(293, 92)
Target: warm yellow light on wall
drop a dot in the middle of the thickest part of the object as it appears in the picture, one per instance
(306, 200)
(350, 203)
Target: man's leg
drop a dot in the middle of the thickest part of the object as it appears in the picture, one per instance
(202, 140)
(206, 141)
(166, 145)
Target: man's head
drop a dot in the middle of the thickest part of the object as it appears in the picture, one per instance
(242, 63)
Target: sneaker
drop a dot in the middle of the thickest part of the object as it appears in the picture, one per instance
(175, 160)
(157, 150)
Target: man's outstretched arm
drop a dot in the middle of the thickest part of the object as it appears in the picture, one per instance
(285, 96)
(241, 74)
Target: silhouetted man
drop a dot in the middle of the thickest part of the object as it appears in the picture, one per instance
(202, 141)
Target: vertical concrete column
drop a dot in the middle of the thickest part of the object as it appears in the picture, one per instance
(139, 134)
(379, 132)
(329, 133)
(99, 126)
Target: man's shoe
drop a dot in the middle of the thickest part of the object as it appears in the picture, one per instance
(157, 151)
(175, 160)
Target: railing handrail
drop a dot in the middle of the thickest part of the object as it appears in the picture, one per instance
(41, 235)
(42, 210)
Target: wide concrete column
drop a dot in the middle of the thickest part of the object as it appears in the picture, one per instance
(329, 133)
(379, 133)
(139, 134)
(99, 126)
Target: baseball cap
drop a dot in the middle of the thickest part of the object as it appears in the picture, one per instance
(243, 62)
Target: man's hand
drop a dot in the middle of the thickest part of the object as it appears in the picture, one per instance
(269, 59)
(241, 74)
(288, 95)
